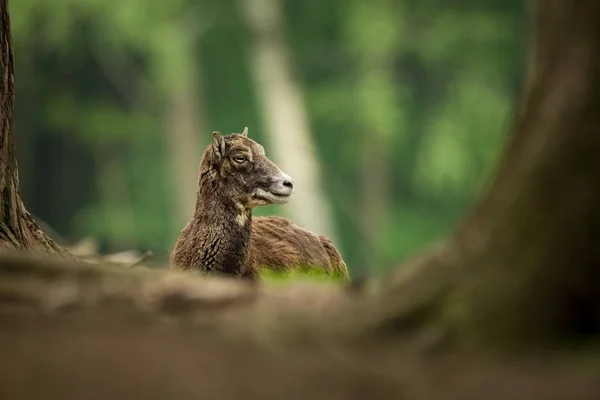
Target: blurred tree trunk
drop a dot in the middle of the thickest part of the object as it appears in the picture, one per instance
(180, 76)
(374, 194)
(17, 227)
(115, 198)
(186, 117)
(287, 124)
(529, 250)
(378, 109)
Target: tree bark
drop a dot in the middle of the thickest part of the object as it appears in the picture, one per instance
(17, 228)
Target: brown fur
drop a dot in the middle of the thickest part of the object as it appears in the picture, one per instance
(222, 237)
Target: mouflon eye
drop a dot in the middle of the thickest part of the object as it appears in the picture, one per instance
(239, 158)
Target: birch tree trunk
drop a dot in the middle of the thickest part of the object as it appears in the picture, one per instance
(287, 124)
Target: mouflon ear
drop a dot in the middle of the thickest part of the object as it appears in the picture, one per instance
(218, 145)
(245, 132)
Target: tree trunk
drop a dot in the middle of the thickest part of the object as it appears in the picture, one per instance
(287, 129)
(529, 249)
(186, 120)
(116, 203)
(374, 192)
(522, 268)
(18, 230)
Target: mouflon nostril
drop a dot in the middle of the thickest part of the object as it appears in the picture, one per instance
(288, 183)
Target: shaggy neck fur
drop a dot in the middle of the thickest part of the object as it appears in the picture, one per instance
(222, 228)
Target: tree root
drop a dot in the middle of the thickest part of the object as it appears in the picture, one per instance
(82, 330)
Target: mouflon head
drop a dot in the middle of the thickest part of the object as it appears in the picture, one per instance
(246, 174)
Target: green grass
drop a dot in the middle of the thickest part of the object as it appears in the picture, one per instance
(307, 274)
(302, 274)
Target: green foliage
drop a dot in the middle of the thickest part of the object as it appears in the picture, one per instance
(461, 139)
(430, 82)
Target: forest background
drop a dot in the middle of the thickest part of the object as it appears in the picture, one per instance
(388, 114)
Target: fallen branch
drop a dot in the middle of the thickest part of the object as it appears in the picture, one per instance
(146, 256)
